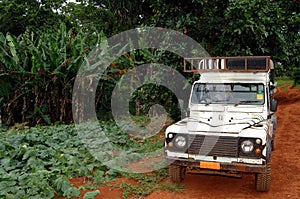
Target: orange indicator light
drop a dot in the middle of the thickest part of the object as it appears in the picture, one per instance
(257, 151)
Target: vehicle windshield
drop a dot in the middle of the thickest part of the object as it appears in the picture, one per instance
(228, 93)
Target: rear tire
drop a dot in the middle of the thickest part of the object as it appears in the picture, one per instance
(263, 180)
(177, 173)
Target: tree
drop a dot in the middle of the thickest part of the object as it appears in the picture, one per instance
(236, 27)
(90, 18)
(126, 14)
(17, 15)
(38, 53)
(291, 30)
(252, 28)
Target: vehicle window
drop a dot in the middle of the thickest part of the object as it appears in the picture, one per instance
(228, 94)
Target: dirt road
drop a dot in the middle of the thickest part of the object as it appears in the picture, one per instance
(285, 163)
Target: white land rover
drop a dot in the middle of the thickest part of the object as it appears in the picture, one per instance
(231, 125)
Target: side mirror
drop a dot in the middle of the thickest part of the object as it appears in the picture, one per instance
(274, 104)
(273, 86)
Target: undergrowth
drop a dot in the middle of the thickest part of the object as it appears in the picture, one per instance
(38, 162)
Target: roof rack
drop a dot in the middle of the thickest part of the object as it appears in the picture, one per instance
(228, 64)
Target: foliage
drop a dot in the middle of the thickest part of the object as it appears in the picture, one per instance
(42, 67)
(37, 74)
(90, 18)
(146, 183)
(290, 56)
(129, 14)
(250, 32)
(144, 97)
(91, 195)
(38, 64)
(284, 82)
(173, 187)
(296, 76)
(234, 27)
(18, 15)
(38, 162)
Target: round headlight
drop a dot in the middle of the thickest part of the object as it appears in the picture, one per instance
(247, 146)
(180, 141)
(170, 135)
(258, 141)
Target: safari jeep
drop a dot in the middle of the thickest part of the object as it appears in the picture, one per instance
(231, 125)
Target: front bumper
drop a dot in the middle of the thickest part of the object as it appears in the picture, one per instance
(234, 167)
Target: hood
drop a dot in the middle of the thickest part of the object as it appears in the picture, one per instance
(224, 119)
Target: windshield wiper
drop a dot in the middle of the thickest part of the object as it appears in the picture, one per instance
(247, 102)
(224, 100)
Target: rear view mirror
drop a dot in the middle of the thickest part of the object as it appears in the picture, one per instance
(273, 107)
(273, 86)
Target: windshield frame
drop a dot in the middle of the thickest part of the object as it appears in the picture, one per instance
(237, 93)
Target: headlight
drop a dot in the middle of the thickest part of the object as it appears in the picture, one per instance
(258, 141)
(180, 141)
(247, 146)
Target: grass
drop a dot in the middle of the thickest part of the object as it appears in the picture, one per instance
(173, 187)
(146, 183)
(285, 82)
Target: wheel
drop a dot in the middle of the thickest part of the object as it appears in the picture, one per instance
(263, 180)
(177, 173)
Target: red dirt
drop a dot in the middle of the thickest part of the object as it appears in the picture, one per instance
(285, 166)
(109, 191)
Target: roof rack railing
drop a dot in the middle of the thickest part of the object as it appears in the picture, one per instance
(228, 64)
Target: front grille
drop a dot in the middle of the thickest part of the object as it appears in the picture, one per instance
(213, 146)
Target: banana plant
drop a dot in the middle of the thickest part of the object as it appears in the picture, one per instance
(37, 70)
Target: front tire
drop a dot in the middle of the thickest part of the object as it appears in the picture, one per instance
(263, 180)
(177, 173)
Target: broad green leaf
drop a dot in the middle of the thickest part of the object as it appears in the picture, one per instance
(91, 195)
(2, 37)
(13, 51)
(72, 192)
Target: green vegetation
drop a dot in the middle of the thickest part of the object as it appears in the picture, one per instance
(39, 161)
(39, 67)
(284, 82)
(41, 53)
(296, 76)
(287, 82)
(145, 183)
(173, 187)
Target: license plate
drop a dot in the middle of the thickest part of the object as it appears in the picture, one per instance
(210, 165)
